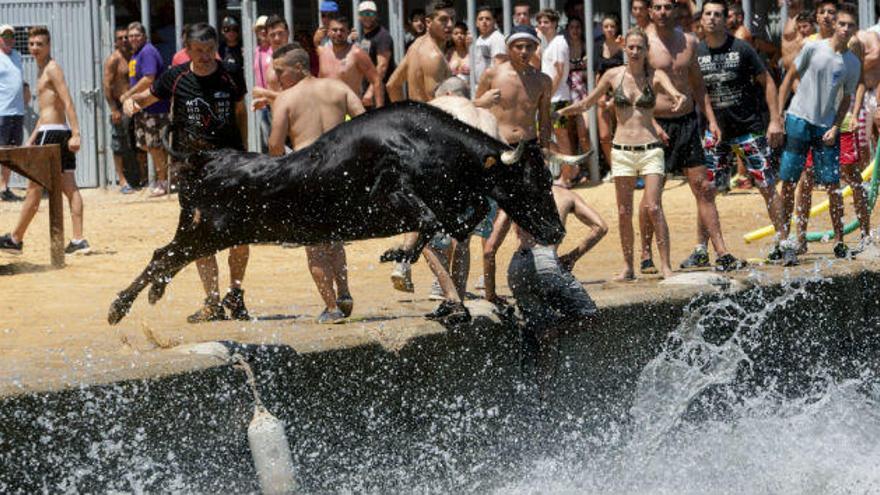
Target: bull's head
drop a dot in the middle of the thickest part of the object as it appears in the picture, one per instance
(521, 184)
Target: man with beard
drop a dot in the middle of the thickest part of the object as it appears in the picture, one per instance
(115, 85)
(209, 113)
(347, 62)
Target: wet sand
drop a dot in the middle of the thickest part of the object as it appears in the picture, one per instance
(54, 333)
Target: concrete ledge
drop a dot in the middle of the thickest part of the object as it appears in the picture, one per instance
(390, 405)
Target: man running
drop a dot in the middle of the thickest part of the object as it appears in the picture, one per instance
(827, 72)
(423, 68)
(57, 124)
(522, 95)
(209, 113)
(674, 52)
(116, 83)
(730, 67)
(345, 61)
(307, 108)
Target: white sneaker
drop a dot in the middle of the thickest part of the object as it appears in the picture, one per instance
(436, 291)
(401, 277)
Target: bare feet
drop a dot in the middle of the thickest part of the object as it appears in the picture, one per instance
(625, 276)
(666, 272)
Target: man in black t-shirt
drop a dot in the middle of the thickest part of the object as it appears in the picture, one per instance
(730, 68)
(378, 43)
(207, 104)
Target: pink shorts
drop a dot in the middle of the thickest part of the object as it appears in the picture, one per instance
(849, 148)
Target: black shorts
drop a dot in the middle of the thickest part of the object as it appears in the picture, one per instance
(53, 136)
(685, 148)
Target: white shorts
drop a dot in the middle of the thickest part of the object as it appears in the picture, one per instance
(636, 163)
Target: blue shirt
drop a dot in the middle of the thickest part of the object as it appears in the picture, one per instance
(11, 84)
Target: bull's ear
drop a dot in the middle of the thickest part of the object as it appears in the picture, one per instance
(489, 162)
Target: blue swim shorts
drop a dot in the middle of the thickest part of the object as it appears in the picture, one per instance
(801, 137)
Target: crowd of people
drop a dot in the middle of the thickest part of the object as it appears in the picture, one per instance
(683, 92)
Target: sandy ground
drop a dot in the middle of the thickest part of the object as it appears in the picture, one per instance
(53, 322)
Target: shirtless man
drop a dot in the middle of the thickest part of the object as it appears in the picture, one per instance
(523, 96)
(343, 60)
(57, 124)
(674, 52)
(307, 108)
(424, 66)
(793, 35)
(735, 24)
(116, 83)
(422, 69)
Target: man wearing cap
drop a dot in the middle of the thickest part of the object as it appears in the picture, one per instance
(230, 50)
(523, 97)
(329, 10)
(14, 93)
(377, 42)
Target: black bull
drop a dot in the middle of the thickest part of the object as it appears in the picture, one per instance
(408, 167)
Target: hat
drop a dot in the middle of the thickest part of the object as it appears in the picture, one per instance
(6, 27)
(329, 6)
(229, 21)
(260, 22)
(367, 6)
(523, 32)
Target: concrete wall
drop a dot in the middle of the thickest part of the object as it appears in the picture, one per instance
(453, 411)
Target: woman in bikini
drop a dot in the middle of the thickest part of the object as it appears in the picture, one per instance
(637, 148)
(457, 54)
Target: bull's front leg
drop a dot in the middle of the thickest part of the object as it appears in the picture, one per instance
(413, 209)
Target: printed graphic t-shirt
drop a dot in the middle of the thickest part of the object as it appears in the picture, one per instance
(203, 107)
(729, 71)
(148, 62)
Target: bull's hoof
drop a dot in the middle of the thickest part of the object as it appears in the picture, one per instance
(395, 254)
(118, 310)
(450, 313)
(157, 290)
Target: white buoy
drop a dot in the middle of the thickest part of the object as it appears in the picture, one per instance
(271, 453)
(268, 442)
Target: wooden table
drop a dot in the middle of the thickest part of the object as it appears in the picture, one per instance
(42, 164)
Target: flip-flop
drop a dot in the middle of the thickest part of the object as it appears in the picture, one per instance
(647, 267)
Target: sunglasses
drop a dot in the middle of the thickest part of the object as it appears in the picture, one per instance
(7, 35)
(230, 30)
(121, 38)
(368, 13)
(663, 7)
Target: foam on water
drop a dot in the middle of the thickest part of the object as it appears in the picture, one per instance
(823, 442)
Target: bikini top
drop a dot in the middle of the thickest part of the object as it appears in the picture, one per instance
(645, 100)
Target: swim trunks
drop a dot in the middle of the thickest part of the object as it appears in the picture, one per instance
(685, 150)
(121, 136)
(629, 162)
(546, 293)
(148, 128)
(801, 137)
(753, 150)
(57, 134)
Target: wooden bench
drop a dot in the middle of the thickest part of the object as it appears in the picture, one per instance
(42, 164)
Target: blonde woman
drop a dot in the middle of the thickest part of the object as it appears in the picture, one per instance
(637, 148)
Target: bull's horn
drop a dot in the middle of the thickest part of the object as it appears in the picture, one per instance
(512, 156)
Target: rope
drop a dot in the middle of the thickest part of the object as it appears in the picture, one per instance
(240, 362)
